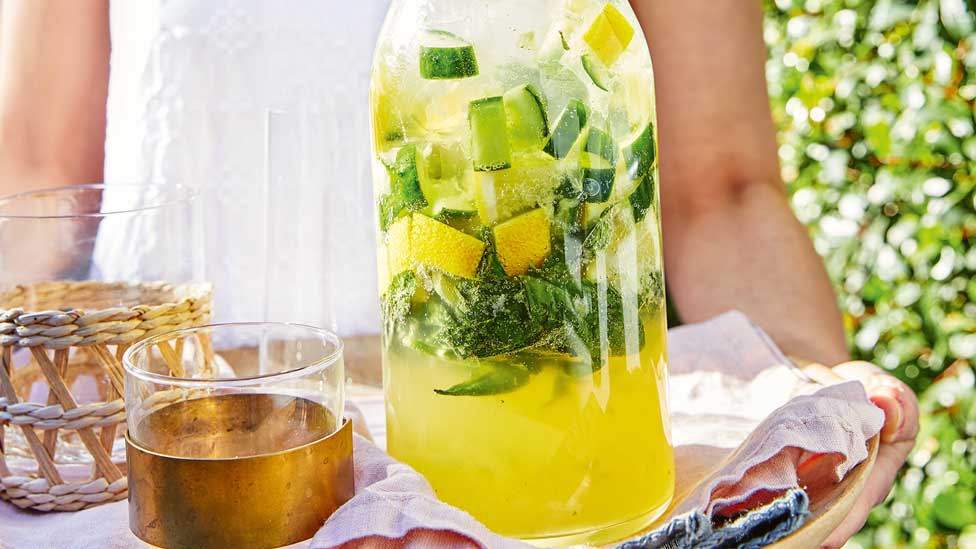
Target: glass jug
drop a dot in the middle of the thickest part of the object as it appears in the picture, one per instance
(516, 184)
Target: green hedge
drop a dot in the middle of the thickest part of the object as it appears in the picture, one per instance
(875, 103)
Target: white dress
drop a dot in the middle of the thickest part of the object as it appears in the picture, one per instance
(191, 84)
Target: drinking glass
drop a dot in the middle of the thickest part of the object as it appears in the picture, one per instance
(301, 218)
(236, 436)
(85, 272)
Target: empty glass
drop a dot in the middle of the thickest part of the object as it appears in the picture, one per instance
(85, 272)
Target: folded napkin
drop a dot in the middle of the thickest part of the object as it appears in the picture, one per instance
(745, 427)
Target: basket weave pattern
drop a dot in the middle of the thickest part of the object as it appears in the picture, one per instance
(94, 328)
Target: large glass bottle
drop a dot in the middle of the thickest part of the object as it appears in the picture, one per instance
(520, 263)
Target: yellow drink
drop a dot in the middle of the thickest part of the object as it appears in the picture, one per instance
(235, 427)
(560, 457)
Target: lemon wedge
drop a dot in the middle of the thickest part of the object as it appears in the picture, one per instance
(523, 242)
(419, 240)
(609, 35)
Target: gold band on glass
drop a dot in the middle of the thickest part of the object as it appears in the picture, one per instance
(265, 501)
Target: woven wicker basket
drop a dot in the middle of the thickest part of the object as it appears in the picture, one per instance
(77, 326)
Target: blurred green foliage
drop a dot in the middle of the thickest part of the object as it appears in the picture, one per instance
(875, 104)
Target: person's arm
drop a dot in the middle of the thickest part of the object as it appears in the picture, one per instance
(54, 66)
(730, 238)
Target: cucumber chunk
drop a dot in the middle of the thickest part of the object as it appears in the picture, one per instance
(600, 143)
(597, 72)
(445, 176)
(569, 186)
(598, 184)
(597, 172)
(641, 198)
(569, 217)
(446, 215)
(444, 56)
(641, 154)
(568, 128)
(446, 161)
(528, 125)
(489, 135)
(448, 200)
(405, 192)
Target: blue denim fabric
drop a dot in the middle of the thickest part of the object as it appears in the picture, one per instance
(758, 528)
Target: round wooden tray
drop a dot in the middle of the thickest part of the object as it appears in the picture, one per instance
(829, 503)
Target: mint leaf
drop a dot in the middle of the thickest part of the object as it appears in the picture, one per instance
(492, 318)
(599, 235)
(397, 301)
(490, 266)
(497, 378)
(651, 291)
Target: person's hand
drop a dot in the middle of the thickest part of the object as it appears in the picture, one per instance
(900, 407)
